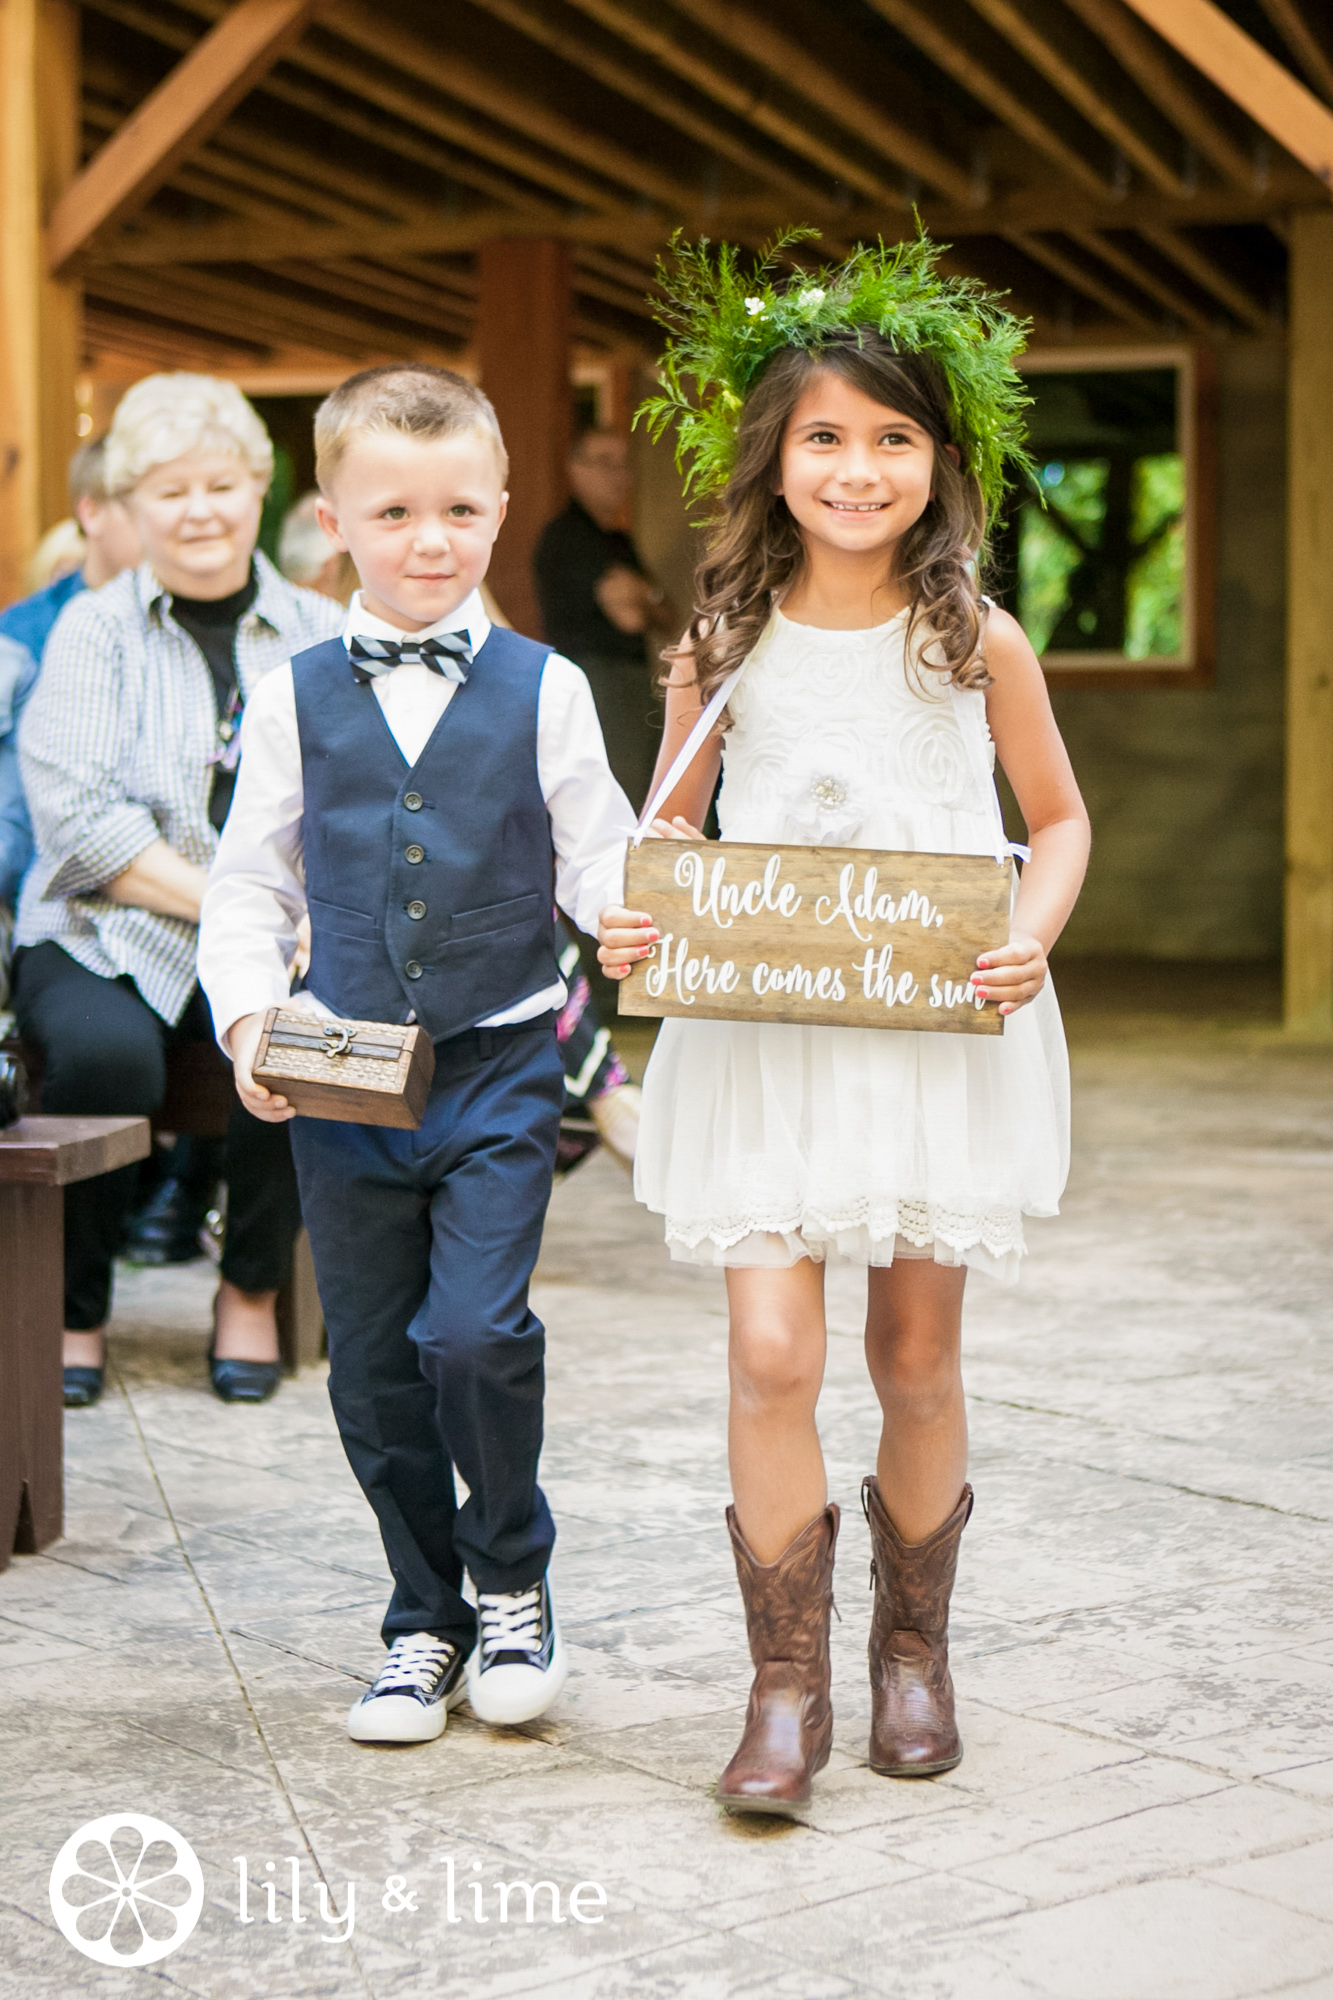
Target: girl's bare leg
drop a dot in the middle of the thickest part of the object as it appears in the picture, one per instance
(776, 1366)
(913, 1349)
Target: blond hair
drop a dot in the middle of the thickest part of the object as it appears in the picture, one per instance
(165, 417)
(409, 397)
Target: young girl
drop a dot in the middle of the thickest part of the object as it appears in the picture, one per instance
(857, 430)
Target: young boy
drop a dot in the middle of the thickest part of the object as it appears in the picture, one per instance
(412, 785)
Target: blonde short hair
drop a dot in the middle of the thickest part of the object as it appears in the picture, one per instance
(410, 397)
(173, 416)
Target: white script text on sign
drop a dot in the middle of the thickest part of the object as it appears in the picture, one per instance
(847, 937)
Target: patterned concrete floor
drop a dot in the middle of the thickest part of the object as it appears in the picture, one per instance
(1144, 1629)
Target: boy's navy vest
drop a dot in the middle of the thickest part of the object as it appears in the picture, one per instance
(430, 888)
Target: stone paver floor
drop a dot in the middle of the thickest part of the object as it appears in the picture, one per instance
(1143, 1631)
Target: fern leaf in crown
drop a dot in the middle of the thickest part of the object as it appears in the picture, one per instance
(726, 319)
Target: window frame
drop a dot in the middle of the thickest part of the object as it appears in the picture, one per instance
(1196, 428)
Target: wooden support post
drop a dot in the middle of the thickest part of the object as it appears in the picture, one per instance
(1309, 898)
(40, 336)
(523, 311)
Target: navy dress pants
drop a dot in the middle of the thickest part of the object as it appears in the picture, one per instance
(424, 1243)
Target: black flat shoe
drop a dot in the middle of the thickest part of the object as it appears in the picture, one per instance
(243, 1381)
(166, 1229)
(83, 1387)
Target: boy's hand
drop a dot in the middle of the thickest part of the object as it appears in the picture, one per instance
(1013, 974)
(243, 1042)
(623, 937)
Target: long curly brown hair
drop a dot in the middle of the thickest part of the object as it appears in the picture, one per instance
(755, 550)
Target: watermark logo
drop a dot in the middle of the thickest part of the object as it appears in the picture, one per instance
(126, 1889)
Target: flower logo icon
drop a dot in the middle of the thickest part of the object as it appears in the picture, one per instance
(126, 1889)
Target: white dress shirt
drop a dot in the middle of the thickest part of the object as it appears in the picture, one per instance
(256, 887)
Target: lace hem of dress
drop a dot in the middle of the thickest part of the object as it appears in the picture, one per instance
(997, 1231)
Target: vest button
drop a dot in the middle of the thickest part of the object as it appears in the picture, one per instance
(414, 853)
(413, 801)
(412, 969)
(416, 911)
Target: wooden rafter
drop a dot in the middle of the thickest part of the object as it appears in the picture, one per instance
(756, 36)
(1207, 273)
(1031, 34)
(1144, 280)
(1304, 44)
(1143, 58)
(535, 22)
(1078, 279)
(921, 25)
(1234, 61)
(725, 87)
(186, 107)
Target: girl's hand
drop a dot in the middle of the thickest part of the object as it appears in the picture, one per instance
(1013, 974)
(673, 829)
(623, 938)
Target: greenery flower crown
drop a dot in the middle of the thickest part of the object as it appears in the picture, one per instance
(725, 324)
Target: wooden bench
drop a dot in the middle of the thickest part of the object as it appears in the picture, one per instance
(39, 1157)
(197, 1105)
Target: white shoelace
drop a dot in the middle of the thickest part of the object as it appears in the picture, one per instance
(415, 1663)
(511, 1621)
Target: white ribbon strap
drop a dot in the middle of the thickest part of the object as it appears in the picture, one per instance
(968, 714)
(694, 742)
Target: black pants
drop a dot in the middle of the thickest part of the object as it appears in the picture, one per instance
(105, 1052)
(424, 1243)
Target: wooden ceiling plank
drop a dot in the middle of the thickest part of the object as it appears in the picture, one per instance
(229, 187)
(1275, 99)
(173, 120)
(379, 35)
(232, 305)
(1141, 57)
(536, 23)
(1128, 266)
(922, 27)
(1300, 38)
(1205, 272)
(1073, 274)
(756, 36)
(392, 134)
(1016, 23)
(727, 89)
(360, 286)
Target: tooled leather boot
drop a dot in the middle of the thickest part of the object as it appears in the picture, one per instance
(913, 1733)
(789, 1722)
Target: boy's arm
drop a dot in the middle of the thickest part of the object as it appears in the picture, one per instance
(256, 893)
(591, 819)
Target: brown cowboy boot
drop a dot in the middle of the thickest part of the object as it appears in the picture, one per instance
(789, 1722)
(912, 1729)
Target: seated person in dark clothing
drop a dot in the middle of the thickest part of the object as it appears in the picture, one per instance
(128, 752)
(601, 609)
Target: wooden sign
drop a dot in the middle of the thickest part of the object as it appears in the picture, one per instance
(846, 937)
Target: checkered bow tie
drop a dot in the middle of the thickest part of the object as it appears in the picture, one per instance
(447, 653)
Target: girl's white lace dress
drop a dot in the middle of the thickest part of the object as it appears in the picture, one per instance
(762, 1142)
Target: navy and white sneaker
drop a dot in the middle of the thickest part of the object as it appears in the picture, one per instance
(518, 1666)
(419, 1683)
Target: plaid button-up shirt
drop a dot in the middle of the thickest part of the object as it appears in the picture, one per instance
(115, 749)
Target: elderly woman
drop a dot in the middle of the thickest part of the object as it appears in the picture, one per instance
(128, 753)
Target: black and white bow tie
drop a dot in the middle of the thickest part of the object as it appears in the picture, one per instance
(446, 653)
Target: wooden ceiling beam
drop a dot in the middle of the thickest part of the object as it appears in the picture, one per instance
(1080, 280)
(378, 34)
(1301, 39)
(535, 22)
(1020, 25)
(1275, 99)
(1144, 280)
(682, 59)
(921, 25)
(109, 333)
(1143, 58)
(1209, 275)
(358, 285)
(757, 37)
(393, 134)
(230, 187)
(174, 120)
(231, 305)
